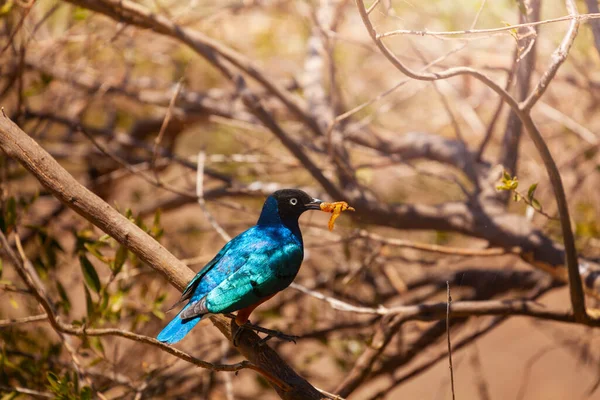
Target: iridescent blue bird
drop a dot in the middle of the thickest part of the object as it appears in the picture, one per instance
(250, 269)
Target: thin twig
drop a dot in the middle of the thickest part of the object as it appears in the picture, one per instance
(436, 248)
(164, 125)
(577, 18)
(202, 202)
(25, 320)
(448, 301)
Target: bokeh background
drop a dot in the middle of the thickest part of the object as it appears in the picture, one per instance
(135, 99)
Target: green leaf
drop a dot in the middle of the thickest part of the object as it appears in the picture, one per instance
(89, 303)
(536, 204)
(80, 14)
(92, 248)
(89, 273)
(11, 212)
(10, 396)
(65, 302)
(54, 382)
(86, 393)
(120, 258)
(531, 192)
(5, 9)
(505, 176)
(158, 314)
(96, 343)
(13, 303)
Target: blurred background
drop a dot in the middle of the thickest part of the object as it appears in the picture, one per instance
(185, 115)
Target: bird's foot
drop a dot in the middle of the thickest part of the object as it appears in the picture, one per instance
(279, 335)
(236, 336)
(271, 333)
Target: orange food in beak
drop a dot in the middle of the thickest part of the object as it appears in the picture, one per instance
(335, 208)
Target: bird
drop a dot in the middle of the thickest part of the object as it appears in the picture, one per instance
(250, 269)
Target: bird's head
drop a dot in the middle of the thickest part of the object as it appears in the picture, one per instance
(291, 203)
(286, 206)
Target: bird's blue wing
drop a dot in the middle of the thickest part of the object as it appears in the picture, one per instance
(205, 280)
(266, 271)
(187, 293)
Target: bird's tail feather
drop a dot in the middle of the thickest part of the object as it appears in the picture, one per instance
(178, 328)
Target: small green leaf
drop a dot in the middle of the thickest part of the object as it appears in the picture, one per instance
(92, 248)
(6, 7)
(531, 192)
(89, 274)
(54, 381)
(96, 343)
(80, 14)
(11, 212)
(13, 303)
(158, 314)
(536, 204)
(89, 303)
(10, 395)
(86, 393)
(505, 176)
(516, 197)
(120, 258)
(65, 302)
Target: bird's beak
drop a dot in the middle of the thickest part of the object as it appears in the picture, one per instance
(315, 204)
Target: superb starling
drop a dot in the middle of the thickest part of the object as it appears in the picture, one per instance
(251, 268)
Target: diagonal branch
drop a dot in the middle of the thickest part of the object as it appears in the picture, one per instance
(125, 11)
(27, 272)
(15, 143)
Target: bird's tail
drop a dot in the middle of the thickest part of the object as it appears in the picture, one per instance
(178, 328)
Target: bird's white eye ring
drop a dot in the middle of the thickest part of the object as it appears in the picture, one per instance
(293, 201)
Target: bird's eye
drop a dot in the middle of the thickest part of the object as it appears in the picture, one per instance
(294, 201)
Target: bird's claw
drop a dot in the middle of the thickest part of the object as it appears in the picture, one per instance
(236, 336)
(279, 335)
(269, 332)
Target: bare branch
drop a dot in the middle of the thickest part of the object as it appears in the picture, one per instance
(15, 143)
(448, 301)
(558, 57)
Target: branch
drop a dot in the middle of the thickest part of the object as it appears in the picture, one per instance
(459, 309)
(15, 143)
(579, 17)
(25, 320)
(522, 110)
(524, 67)
(429, 76)
(449, 301)
(592, 6)
(27, 272)
(124, 11)
(421, 145)
(558, 57)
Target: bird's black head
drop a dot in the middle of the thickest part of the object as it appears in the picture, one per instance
(293, 202)
(286, 206)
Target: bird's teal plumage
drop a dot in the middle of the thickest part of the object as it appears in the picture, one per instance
(250, 268)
